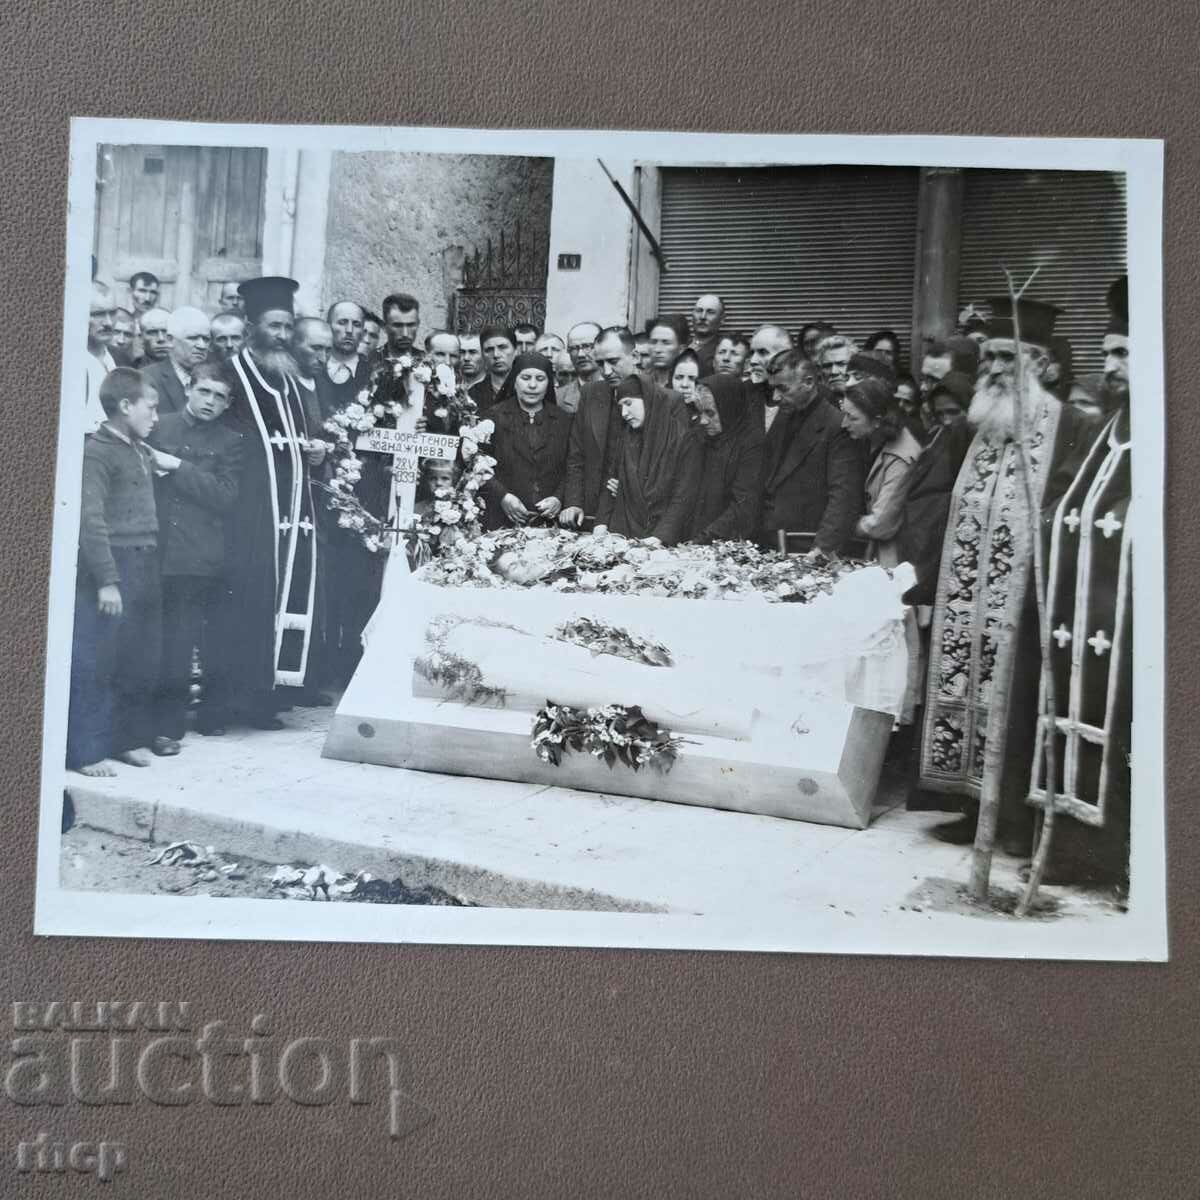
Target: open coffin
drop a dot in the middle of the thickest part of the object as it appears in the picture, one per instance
(786, 707)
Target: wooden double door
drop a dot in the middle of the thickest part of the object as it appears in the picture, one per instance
(192, 215)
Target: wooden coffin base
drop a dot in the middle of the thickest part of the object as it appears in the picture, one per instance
(828, 776)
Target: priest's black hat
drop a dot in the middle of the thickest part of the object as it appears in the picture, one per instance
(1118, 306)
(269, 293)
(1036, 317)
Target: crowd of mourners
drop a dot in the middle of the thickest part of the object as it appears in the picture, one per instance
(803, 440)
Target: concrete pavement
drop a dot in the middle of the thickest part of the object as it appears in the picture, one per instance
(271, 796)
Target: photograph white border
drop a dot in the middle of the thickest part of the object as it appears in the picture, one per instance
(1138, 935)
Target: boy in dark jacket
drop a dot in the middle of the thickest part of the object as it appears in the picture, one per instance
(194, 500)
(118, 616)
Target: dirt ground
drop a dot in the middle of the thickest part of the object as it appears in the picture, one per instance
(94, 861)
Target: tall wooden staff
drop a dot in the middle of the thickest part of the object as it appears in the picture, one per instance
(989, 799)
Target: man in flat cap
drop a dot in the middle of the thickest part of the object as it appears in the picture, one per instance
(272, 536)
(985, 652)
(1089, 549)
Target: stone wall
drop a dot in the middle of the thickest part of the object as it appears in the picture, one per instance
(393, 217)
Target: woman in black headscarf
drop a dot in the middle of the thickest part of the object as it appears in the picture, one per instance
(529, 446)
(657, 467)
(730, 479)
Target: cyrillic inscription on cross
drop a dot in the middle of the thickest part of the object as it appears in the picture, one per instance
(407, 449)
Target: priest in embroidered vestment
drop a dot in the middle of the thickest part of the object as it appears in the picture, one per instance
(1090, 587)
(984, 651)
(271, 535)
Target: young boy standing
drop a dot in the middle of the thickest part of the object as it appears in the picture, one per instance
(194, 501)
(118, 617)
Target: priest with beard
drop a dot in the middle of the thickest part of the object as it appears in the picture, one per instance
(985, 656)
(272, 547)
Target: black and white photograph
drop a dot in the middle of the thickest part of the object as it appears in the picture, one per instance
(609, 539)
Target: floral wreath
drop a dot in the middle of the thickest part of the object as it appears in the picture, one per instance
(457, 507)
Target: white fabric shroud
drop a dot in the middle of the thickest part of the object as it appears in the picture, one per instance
(737, 662)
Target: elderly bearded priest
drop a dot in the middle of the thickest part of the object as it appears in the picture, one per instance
(985, 658)
(272, 548)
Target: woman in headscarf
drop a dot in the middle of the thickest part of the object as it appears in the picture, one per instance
(653, 493)
(870, 415)
(529, 446)
(730, 484)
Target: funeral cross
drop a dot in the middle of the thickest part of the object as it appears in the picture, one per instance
(407, 449)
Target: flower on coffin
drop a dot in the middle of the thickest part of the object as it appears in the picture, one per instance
(422, 374)
(379, 412)
(355, 412)
(446, 512)
(615, 733)
(608, 563)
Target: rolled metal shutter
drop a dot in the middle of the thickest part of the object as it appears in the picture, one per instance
(1071, 223)
(792, 245)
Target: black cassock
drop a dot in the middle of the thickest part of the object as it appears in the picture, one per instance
(271, 539)
(1090, 586)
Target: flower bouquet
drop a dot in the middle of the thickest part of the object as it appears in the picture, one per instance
(615, 733)
(395, 385)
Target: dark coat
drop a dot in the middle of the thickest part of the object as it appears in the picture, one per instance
(527, 475)
(193, 501)
(706, 350)
(815, 484)
(773, 439)
(730, 486)
(597, 421)
(483, 394)
(336, 396)
(657, 470)
(927, 506)
(171, 395)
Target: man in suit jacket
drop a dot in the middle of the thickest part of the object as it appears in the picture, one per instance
(190, 335)
(194, 499)
(813, 473)
(929, 487)
(707, 314)
(596, 430)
